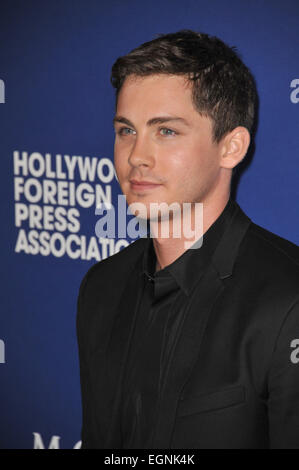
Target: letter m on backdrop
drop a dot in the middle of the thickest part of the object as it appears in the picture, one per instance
(2, 91)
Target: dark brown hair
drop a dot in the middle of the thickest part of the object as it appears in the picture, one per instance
(223, 87)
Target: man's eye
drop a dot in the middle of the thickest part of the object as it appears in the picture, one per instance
(120, 131)
(166, 129)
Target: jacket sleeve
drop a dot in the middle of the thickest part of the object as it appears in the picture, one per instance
(88, 430)
(283, 384)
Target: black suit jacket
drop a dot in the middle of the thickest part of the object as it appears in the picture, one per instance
(233, 379)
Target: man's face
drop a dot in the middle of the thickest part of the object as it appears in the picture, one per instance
(178, 156)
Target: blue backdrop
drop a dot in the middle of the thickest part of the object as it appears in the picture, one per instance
(56, 101)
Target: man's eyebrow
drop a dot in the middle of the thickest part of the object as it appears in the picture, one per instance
(152, 121)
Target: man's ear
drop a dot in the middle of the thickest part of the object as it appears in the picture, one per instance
(234, 147)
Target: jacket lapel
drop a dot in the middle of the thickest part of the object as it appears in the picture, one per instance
(200, 304)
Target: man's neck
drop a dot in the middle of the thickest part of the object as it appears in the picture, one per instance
(169, 249)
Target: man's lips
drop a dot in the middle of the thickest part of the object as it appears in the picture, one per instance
(143, 185)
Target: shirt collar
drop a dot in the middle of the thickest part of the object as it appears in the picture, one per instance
(186, 269)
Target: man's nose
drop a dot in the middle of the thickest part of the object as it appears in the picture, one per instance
(142, 153)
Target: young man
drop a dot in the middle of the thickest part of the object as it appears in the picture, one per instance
(189, 348)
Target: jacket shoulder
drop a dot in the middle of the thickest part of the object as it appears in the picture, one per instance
(102, 286)
(271, 259)
(117, 266)
(280, 247)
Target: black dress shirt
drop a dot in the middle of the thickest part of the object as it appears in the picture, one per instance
(160, 316)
